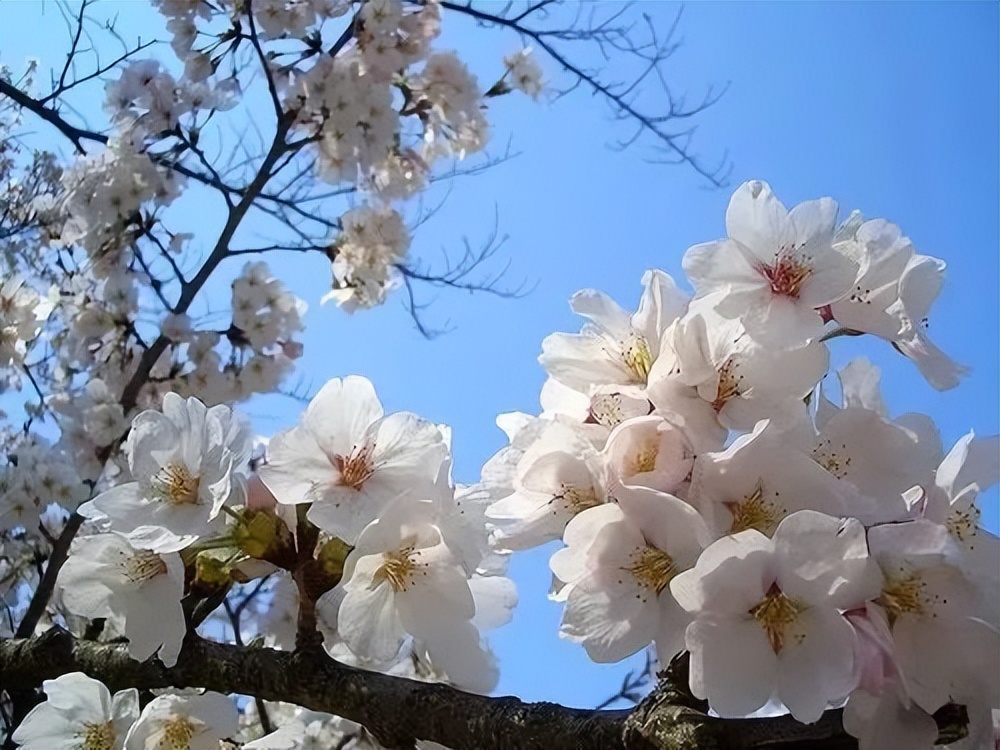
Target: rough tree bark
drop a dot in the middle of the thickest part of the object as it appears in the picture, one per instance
(398, 711)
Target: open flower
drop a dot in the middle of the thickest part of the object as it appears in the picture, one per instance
(618, 564)
(402, 579)
(560, 475)
(777, 267)
(184, 722)
(767, 615)
(105, 576)
(350, 461)
(614, 347)
(79, 713)
(185, 463)
(760, 479)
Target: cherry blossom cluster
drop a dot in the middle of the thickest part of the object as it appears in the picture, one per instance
(22, 313)
(420, 581)
(711, 496)
(99, 208)
(373, 241)
(407, 579)
(31, 478)
(147, 100)
(81, 713)
(380, 111)
(377, 110)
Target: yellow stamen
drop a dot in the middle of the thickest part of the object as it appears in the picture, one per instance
(903, 595)
(729, 385)
(775, 613)
(143, 566)
(97, 736)
(652, 568)
(176, 485)
(964, 523)
(754, 512)
(397, 569)
(642, 461)
(638, 358)
(577, 499)
(356, 468)
(177, 734)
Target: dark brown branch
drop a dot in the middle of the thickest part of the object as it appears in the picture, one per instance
(398, 711)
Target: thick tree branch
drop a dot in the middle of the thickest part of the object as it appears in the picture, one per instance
(398, 711)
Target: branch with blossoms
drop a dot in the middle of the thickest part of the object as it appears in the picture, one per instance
(820, 562)
(816, 568)
(398, 711)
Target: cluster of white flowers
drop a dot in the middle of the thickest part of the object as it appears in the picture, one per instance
(265, 313)
(262, 347)
(390, 39)
(450, 103)
(372, 242)
(419, 573)
(147, 100)
(22, 315)
(381, 111)
(33, 476)
(101, 201)
(80, 713)
(711, 497)
(525, 72)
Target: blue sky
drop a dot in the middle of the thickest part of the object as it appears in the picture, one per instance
(891, 108)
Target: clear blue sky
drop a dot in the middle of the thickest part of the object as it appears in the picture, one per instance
(891, 108)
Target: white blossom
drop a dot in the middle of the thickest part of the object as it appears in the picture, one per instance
(777, 267)
(618, 564)
(350, 460)
(79, 713)
(192, 722)
(767, 615)
(185, 462)
(105, 576)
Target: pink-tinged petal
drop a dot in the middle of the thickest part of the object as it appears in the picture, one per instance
(881, 722)
(456, 648)
(732, 665)
(756, 219)
(824, 560)
(435, 594)
(811, 220)
(340, 413)
(725, 271)
(670, 633)
(603, 311)
(297, 469)
(938, 369)
(612, 619)
(730, 578)
(782, 321)
(661, 303)
(815, 664)
(972, 460)
(369, 624)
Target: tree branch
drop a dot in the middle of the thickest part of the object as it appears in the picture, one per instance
(397, 711)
